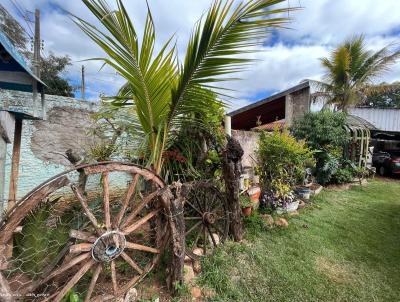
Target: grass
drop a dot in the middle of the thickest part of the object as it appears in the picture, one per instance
(344, 247)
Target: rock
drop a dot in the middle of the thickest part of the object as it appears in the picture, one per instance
(268, 219)
(294, 213)
(281, 222)
(216, 238)
(302, 204)
(188, 260)
(198, 252)
(196, 292)
(197, 267)
(131, 295)
(188, 273)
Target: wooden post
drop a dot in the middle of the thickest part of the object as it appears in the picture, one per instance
(12, 194)
(174, 203)
(231, 170)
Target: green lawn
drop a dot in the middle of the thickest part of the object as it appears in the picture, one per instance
(343, 247)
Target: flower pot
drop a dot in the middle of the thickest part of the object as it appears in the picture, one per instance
(246, 211)
(290, 207)
(254, 193)
(304, 193)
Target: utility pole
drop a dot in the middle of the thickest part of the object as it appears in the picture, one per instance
(36, 44)
(83, 97)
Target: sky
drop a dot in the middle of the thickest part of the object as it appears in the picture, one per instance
(287, 57)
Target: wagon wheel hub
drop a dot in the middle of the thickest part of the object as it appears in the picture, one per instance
(108, 246)
(209, 218)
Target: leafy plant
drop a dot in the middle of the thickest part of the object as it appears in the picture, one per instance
(245, 201)
(282, 157)
(325, 134)
(72, 296)
(164, 92)
(343, 175)
(350, 72)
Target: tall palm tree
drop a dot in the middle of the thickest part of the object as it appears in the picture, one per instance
(165, 92)
(351, 71)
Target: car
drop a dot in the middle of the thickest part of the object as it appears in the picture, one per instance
(387, 162)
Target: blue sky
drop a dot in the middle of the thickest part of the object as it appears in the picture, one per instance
(287, 57)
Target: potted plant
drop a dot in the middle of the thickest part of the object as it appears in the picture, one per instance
(246, 204)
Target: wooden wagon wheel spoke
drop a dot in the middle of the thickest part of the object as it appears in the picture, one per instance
(80, 247)
(106, 200)
(93, 282)
(114, 277)
(139, 208)
(85, 206)
(125, 203)
(194, 208)
(212, 236)
(192, 218)
(129, 229)
(193, 228)
(82, 271)
(86, 236)
(132, 263)
(140, 247)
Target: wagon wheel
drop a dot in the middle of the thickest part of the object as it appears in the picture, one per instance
(98, 243)
(206, 219)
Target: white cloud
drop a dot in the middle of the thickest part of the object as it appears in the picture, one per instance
(316, 29)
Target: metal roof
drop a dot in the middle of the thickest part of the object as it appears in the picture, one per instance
(15, 63)
(382, 119)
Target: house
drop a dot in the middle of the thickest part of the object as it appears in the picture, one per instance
(16, 75)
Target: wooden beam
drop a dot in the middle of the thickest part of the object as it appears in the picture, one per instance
(12, 194)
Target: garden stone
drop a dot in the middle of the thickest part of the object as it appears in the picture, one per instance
(196, 292)
(294, 213)
(281, 222)
(302, 204)
(198, 252)
(131, 295)
(268, 219)
(188, 274)
(197, 267)
(188, 260)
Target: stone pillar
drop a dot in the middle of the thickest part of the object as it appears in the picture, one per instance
(288, 110)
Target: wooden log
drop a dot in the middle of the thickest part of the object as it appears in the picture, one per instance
(174, 204)
(231, 172)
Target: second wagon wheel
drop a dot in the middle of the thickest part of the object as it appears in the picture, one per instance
(206, 218)
(97, 243)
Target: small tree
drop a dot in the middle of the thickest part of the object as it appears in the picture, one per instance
(325, 134)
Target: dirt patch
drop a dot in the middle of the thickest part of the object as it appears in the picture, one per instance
(336, 272)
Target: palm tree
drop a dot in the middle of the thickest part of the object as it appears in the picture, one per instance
(164, 92)
(351, 70)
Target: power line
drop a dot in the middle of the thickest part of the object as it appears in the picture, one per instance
(24, 17)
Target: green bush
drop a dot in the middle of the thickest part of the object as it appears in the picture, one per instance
(282, 160)
(342, 176)
(325, 134)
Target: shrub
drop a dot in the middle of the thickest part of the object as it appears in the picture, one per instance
(282, 162)
(325, 134)
(342, 176)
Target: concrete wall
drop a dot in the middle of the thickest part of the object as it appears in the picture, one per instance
(44, 142)
(249, 142)
(296, 105)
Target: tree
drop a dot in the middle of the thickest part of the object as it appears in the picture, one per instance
(165, 92)
(51, 70)
(390, 99)
(351, 70)
(52, 67)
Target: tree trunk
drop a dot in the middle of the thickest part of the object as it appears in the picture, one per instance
(231, 171)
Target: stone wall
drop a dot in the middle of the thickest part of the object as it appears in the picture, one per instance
(44, 142)
(249, 142)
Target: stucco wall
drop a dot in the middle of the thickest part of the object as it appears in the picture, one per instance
(249, 142)
(296, 105)
(44, 142)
